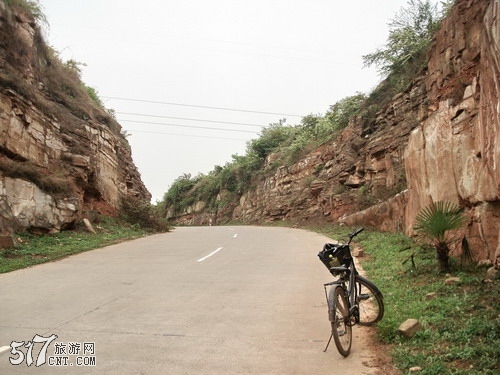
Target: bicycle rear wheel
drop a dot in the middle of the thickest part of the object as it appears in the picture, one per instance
(370, 301)
(341, 327)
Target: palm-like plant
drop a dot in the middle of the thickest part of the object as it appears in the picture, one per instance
(434, 221)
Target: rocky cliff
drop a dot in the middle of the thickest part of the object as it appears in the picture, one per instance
(61, 153)
(437, 140)
(453, 154)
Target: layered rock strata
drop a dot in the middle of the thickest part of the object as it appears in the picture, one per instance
(438, 140)
(60, 156)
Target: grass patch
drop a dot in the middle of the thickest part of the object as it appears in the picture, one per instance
(461, 332)
(36, 249)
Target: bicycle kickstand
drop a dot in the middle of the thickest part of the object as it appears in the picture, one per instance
(328, 343)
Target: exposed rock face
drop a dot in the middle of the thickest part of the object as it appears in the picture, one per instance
(439, 140)
(24, 205)
(59, 155)
(454, 155)
(332, 181)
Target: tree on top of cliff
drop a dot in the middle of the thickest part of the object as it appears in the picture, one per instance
(410, 34)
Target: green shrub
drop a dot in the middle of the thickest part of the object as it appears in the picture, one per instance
(142, 213)
(410, 35)
(270, 139)
(435, 221)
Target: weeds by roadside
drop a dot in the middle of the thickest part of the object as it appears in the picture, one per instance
(34, 249)
(461, 321)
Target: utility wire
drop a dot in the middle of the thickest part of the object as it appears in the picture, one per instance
(201, 106)
(190, 119)
(187, 135)
(189, 126)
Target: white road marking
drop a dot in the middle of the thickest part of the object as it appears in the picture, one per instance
(209, 255)
(236, 235)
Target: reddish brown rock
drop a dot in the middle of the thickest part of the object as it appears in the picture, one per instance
(70, 142)
(437, 140)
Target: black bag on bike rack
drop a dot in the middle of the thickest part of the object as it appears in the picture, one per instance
(335, 255)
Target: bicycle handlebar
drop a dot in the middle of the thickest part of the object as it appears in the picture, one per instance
(355, 233)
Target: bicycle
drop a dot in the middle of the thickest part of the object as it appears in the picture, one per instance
(352, 299)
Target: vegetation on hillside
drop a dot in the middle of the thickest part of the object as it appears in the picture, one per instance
(30, 6)
(286, 143)
(59, 90)
(400, 61)
(410, 34)
(55, 86)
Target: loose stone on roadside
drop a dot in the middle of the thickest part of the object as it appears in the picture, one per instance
(410, 327)
(358, 252)
(430, 296)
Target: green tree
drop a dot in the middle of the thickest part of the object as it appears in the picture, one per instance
(176, 194)
(143, 214)
(94, 95)
(340, 112)
(270, 138)
(410, 34)
(434, 222)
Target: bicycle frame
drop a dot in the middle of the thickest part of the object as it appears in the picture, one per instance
(346, 275)
(346, 294)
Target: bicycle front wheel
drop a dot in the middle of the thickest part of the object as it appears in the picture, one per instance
(370, 301)
(341, 327)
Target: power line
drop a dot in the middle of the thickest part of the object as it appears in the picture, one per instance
(187, 135)
(189, 126)
(201, 106)
(190, 119)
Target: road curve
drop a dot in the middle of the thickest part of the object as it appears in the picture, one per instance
(198, 300)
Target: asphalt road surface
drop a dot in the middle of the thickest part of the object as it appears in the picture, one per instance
(198, 300)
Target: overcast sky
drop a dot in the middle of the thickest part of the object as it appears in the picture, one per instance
(169, 67)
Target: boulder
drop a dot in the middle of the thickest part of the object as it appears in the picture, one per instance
(26, 205)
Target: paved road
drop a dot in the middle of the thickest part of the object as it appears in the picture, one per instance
(203, 300)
